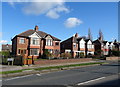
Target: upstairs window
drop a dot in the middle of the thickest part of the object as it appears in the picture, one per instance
(35, 41)
(74, 45)
(57, 43)
(22, 41)
(82, 45)
(49, 42)
(89, 46)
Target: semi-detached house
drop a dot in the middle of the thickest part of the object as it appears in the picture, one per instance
(33, 43)
(75, 45)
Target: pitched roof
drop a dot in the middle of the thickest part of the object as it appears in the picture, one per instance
(97, 41)
(104, 42)
(86, 40)
(6, 47)
(40, 33)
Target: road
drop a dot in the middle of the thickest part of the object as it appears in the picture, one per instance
(91, 75)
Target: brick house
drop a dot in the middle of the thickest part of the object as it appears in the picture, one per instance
(33, 43)
(89, 47)
(104, 46)
(7, 47)
(75, 45)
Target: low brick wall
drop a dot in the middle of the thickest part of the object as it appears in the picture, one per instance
(112, 58)
(61, 61)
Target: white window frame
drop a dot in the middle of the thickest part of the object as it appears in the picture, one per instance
(37, 41)
(21, 40)
(49, 42)
(34, 49)
(82, 45)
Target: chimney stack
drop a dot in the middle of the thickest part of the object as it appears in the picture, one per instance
(36, 28)
(76, 35)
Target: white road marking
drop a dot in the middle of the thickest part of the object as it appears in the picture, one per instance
(90, 81)
(38, 74)
(0, 80)
(17, 77)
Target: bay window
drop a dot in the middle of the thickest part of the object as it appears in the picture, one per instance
(34, 51)
(49, 42)
(35, 41)
(82, 45)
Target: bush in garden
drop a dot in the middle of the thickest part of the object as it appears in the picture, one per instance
(115, 53)
(81, 54)
(5, 53)
(66, 55)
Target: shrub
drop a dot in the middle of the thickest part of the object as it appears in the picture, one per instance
(81, 54)
(98, 52)
(89, 55)
(66, 55)
(115, 53)
(5, 53)
(45, 53)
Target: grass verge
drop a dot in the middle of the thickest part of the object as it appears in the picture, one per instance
(52, 67)
(63, 66)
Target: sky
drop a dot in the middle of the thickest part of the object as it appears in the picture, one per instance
(60, 19)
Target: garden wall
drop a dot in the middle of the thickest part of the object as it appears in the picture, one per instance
(112, 58)
(61, 61)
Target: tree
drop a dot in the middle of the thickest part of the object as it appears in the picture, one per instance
(100, 35)
(5, 53)
(89, 34)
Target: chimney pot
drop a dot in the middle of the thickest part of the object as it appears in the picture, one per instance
(76, 35)
(36, 28)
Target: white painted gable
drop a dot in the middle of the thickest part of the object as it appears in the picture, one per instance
(35, 35)
(48, 37)
(107, 43)
(89, 42)
(82, 41)
(112, 43)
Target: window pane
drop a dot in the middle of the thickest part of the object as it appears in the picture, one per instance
(22, 40)
(49, 42)
(34, 51)
(35, 41)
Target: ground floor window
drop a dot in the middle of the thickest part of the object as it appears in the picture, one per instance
(21, 51)
(34, 51)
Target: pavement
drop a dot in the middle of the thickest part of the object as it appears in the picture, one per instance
(91, 75)
(32, 71)
(11, 68)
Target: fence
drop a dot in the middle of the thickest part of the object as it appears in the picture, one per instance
(18, 60)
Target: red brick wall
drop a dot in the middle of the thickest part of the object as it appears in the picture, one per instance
(22, 46)
(14, 46)
(91, 50)
(61, 61)
(112, 58)
(67, 44)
